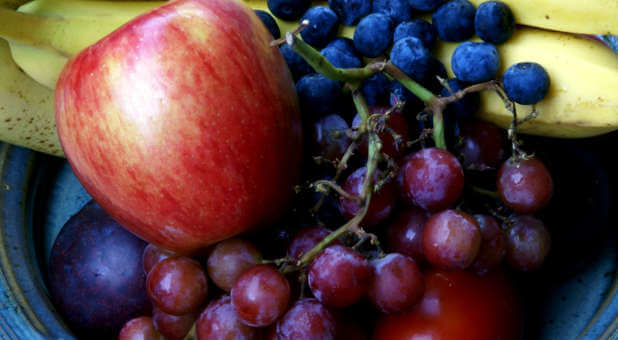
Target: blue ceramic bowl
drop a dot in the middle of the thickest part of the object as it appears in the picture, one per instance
(575, 296)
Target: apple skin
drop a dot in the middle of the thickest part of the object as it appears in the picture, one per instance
(183, 124)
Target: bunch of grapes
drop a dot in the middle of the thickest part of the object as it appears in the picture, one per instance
(399, 178)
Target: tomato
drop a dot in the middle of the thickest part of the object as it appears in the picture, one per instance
(458, 305)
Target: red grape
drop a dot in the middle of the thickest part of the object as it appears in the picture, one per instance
(451, 240)
(493, 245)
(229, 259)
(330, 138)
(177, 285)
(307, 320)
(382, 202)
(260, 295)
(153, 255)
(339, 276)
(397, 283)
(397, 123)
(482, 145)
(305, 239)
(219, 321)
(171, 326)
(432, 179)
(525, 186)
(527, 243)
(405, 234)
(140, 328)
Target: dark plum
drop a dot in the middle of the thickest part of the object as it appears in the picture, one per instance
(229, 259)
(140, 328)
(405, 234)
(323, 25)
(397, 283)
(451, 240)
(494, 22)
(171, 326)
(482, 145)
(339, 276)
(260, 295)
(432, 179)
(525, 185)
(382, 202)
(219, 321)
(177, 285)
(96, 275)
(269, 22)
(373, 35)
(527, 243)
(308, 319)
(526, 83)
(493, 245)
(454, 20)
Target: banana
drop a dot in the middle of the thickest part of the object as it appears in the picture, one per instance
(583, 95)
(26, 108)
(575, 16)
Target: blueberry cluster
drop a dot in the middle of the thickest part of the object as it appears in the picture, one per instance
(390, 29)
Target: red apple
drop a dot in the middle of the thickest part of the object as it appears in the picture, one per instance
(183, 124)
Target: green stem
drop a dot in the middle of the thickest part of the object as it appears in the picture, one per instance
(417, 89)
(438, 129)
(321, 65)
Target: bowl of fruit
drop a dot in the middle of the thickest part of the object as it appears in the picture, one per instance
(282, 169)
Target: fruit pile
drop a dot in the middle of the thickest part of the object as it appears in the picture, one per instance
(401, 187)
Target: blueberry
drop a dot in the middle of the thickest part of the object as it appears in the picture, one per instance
(464, 108)
(425, 5)
(376, 89)
(409, 55)
(269, 22)
(297, 65)
(288, 9)
(340, 58)
(475, 62)
(397, 10)
(323, 25)
(454, 20)
(373, 35)
(526, 83)
(318, 94)
(350, 11)
(494, 22)
(417, 28)
(344, 44)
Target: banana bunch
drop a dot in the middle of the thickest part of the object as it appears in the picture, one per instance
(583, 100)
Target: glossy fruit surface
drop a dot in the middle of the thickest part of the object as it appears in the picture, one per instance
(210, 151)
(219, 321)
(140, 328)
(96, 278)
(458, 306)
(405, 234)
(432, 179)
(260, 295)
(397, 283)
(308, 319)
(229, 259)
(177, 285)
(451, 240)
(526, 185)
(381, 205)
(527, 243)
